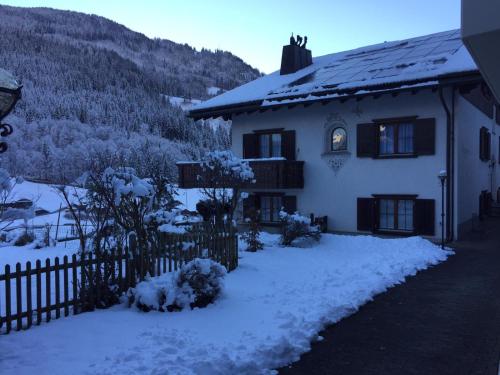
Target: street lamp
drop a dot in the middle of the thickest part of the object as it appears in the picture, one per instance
(10, 92)
(442, 177)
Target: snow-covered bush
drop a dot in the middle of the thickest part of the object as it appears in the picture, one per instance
(24, 238)
(252, 236)
(45, 239)
(151, 294)
(296, 226)
(197, 284)
(224, 174)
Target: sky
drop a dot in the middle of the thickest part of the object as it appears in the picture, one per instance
(256, 30)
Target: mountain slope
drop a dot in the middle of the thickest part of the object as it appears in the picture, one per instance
(84, 69)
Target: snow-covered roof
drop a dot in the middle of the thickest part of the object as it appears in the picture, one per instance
(8, 81)
(415, 61)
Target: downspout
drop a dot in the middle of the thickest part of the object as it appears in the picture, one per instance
(448, 162)
(452, 166)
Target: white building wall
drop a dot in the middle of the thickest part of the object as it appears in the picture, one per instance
(473, 175)
(335, 193)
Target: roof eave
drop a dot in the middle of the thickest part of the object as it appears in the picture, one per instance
(227, 111)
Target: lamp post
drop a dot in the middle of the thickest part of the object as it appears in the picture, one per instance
(10, 92)
(442, 178)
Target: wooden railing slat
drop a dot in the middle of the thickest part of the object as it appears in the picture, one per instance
(57, 286)
(65, 285)
(29, 302)
(74, 276)
(47, 288)
(19, 296)
(8, 324)
(38, 292)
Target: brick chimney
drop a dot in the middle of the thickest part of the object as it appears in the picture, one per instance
(295, 56)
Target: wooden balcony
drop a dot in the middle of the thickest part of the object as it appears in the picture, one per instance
(269, 174)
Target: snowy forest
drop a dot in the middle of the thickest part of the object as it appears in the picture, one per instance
(95, 91)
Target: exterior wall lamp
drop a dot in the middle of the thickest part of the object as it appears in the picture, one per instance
(10, 93)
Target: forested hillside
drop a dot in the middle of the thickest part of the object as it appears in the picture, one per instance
(94, 89)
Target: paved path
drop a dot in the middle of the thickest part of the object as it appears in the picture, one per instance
(445, 320)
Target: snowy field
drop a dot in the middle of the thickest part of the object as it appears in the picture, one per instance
(273, 306)
(47, 198)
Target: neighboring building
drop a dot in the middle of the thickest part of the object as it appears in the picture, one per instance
(481, 35)
(361, 136)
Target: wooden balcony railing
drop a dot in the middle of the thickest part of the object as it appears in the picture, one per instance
(269, 174)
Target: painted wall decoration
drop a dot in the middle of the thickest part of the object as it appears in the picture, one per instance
(336, 142)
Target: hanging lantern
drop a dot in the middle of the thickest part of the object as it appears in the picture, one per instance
(10, 92)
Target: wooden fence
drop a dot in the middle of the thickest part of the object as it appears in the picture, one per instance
(52, 289)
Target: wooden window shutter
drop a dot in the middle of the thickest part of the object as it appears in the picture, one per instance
(289, 203)
(425, 136)
(250, 146)
(481, 143)
(487, 154)
(366, 214)
(424, 217)
(288, 144)
(366, 140)
(251, 202)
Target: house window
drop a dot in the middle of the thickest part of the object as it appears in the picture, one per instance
(396, 214)
(270, 145)
(339, 140)
(270, 207)
(396, 139)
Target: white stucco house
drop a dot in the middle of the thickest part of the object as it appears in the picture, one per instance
(361, 136)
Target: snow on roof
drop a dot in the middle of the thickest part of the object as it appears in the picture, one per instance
(8, 81)
(394, 63)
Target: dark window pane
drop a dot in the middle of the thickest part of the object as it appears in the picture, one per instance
(405, 138)
(405, 215)
(276, 145)
(265, 152)
(265, 208)
(386, 139)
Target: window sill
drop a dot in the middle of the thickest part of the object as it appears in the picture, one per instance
(340, 152)
(396, 156)
(395, 232)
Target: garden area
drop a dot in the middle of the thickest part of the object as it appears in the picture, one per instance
(171, 289)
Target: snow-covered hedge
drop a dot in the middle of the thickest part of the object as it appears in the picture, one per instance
(297, 226)
(197, 284)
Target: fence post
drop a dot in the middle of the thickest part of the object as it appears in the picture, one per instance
(65, 285)
(47, 289)
(29, 305)
(7, 299)
(58, 287)
(74, 276)
(90, 281)
(19, 296)
(38, 292)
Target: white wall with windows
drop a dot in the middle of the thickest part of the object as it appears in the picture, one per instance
(333, 191)
(473, 175)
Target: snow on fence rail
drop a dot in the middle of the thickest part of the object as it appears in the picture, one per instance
(30, 293)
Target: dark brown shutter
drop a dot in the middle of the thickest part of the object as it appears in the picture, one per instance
(289, 203)
(425, 136)
(251, 202)
(288, 144)
(366, 214)
(481, 143)
(487, 154)
(250, 146)
(366, 140)
(424, 217)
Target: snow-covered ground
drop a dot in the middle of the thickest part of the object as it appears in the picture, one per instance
(273, 306)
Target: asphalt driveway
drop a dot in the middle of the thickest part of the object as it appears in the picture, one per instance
(445, 320)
